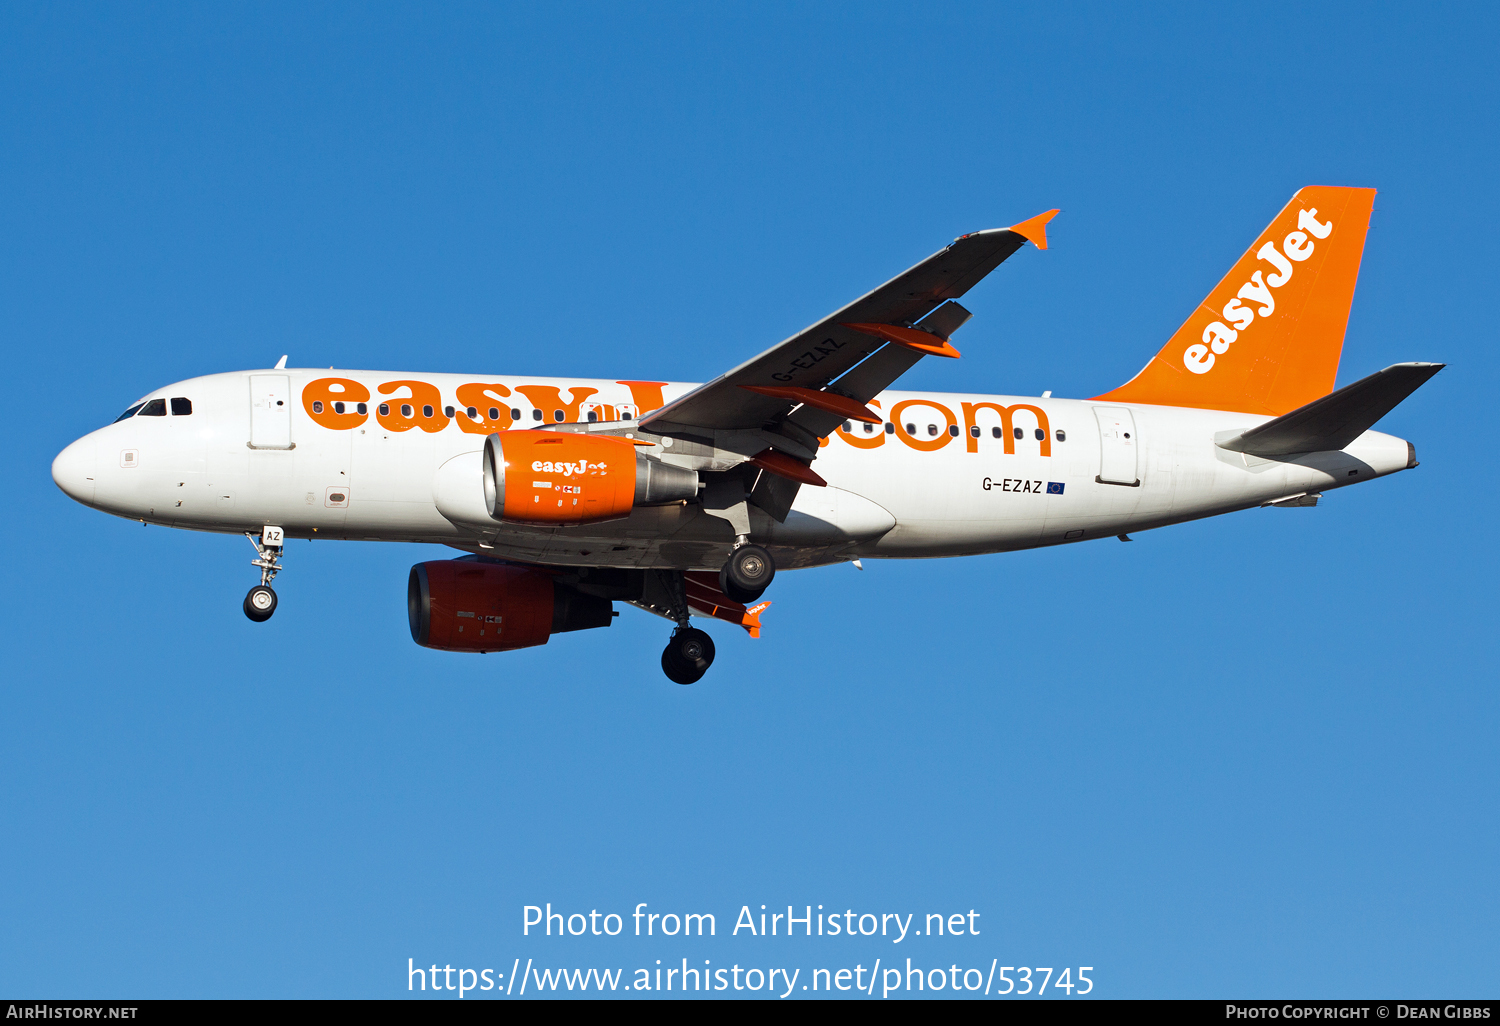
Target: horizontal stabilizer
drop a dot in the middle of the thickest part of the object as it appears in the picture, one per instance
(1332, 422)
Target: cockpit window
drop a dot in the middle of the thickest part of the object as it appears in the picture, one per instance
(182, 407)
(130, 412)
(155, 408)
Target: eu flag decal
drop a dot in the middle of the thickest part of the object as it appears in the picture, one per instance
(1054, 487)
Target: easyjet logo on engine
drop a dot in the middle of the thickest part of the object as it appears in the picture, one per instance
(1296, 247)
(568, 469)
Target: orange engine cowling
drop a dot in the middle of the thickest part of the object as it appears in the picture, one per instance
(554, 477)
(462, 605)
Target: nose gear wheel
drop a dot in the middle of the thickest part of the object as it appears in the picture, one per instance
(260, 602)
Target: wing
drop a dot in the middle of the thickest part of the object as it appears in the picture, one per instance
(826, 373)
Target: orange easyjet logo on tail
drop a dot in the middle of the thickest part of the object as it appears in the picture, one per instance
(1295, 248)
(1267, 338)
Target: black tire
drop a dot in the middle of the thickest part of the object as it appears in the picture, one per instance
(747, 574)
(260, 603)
(688, 655)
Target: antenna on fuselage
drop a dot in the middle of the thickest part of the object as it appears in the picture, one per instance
(281, 363)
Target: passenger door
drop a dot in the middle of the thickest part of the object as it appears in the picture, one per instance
(270, 411)
(1117, 446)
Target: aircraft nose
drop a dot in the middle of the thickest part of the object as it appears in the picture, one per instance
(74, 470)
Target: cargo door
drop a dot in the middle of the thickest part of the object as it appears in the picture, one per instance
(270, 411)
(1118, 446)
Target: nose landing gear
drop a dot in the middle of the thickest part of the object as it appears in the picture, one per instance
(260, 603)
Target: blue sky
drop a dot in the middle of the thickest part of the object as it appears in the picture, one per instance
(1252, 756)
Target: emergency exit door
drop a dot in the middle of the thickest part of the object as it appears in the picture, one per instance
(270, 411)
(1117, 446)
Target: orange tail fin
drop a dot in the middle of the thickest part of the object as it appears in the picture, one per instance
(1268, 337)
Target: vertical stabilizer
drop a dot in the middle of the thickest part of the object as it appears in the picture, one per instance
(1268, 337)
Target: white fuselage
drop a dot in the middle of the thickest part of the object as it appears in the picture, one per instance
(1102, 470)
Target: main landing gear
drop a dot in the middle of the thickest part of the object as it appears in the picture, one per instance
(688, 655)
(748, 573)
(690, 652)
(260, 603)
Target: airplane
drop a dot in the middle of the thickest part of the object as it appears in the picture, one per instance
(568, 495)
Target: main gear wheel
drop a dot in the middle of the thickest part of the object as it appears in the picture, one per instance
(688, 655)
(747, 574)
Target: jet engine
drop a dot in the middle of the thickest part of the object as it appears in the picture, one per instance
(463, 605)
(554, 477)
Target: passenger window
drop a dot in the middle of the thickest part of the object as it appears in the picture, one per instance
(338, 407)
(1041, 436)
(155, 408)
(536, 414)
(995, 432)
(1062, 436)
(974, 431)
(361, 409)
(129, 413)
(317, 406)
(593, 416)
(515, 414)
(406, 410)
(557, 415)
(953, 430)
(1020, 433)
(385, 409)
(869, 429)
(890, 429)
(447, 411)
(911, 429)
(182, 407)
(427, 411)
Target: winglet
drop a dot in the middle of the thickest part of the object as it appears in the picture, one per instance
(751, 618)
(1034, 230)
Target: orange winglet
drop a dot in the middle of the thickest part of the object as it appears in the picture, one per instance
(782, 465)
(911, 338)
(1034, 230)
(750, 620)
(830, 402)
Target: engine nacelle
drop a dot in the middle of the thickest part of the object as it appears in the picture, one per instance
(554, 477)
(462, 605)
